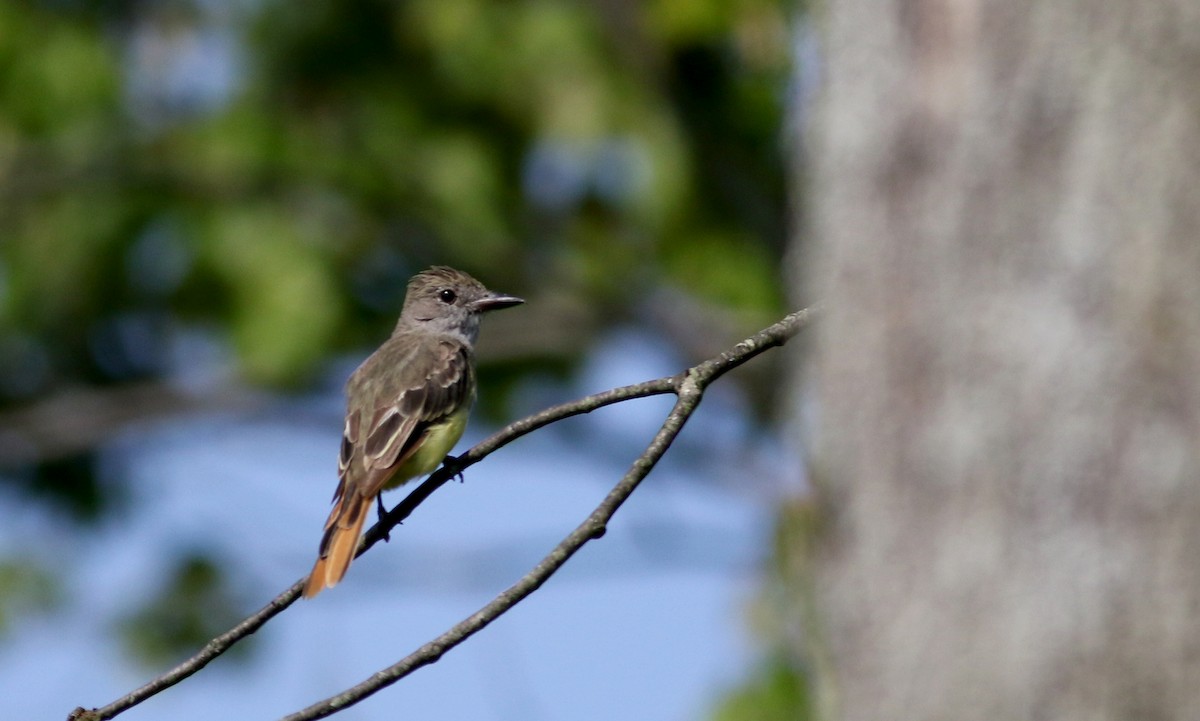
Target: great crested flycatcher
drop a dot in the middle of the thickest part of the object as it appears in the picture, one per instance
(406, 405)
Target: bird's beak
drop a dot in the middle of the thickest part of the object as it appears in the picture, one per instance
(495, 301)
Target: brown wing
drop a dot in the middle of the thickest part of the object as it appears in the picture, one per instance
(427, 381)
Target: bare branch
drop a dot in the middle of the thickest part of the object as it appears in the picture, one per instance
(688, 386)
(79, 419)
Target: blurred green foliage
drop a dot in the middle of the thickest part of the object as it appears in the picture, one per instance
(778, 692)
(193, 606)
(25, 588)
(602, 148)
(784, 618)
(273, 172)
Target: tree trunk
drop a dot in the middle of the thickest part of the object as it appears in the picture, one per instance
(1004, 221)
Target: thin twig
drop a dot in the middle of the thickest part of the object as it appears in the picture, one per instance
(689, 388)
(394, 517)
(703, 374)
(503, 437)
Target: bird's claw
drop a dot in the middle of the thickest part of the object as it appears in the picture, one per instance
(454, 465)
(381, 511)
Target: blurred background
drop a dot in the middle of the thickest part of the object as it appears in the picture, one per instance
(208, 213)
(969, 493)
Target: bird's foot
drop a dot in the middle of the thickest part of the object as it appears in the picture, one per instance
(381, 511)
(455, 466)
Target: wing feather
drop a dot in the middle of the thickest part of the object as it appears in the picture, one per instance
(400, 416)
(435, 379)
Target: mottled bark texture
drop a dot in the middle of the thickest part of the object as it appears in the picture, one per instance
(1004, 231)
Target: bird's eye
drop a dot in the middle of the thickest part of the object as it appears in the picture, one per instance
(447, 296)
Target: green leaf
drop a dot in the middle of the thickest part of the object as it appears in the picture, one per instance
(286, 303)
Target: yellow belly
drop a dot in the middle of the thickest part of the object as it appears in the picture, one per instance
(439, 441)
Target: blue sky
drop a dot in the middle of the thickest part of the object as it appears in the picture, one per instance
(649, 622)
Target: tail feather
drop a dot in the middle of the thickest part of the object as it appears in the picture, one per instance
(339, 543)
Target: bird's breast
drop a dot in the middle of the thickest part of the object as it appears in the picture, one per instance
(439, 440)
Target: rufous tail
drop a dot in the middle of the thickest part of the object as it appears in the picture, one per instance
(338, 544)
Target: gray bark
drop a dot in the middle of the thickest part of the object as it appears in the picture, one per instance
(1004, 229)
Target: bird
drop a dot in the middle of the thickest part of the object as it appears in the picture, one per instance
(406, 406)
